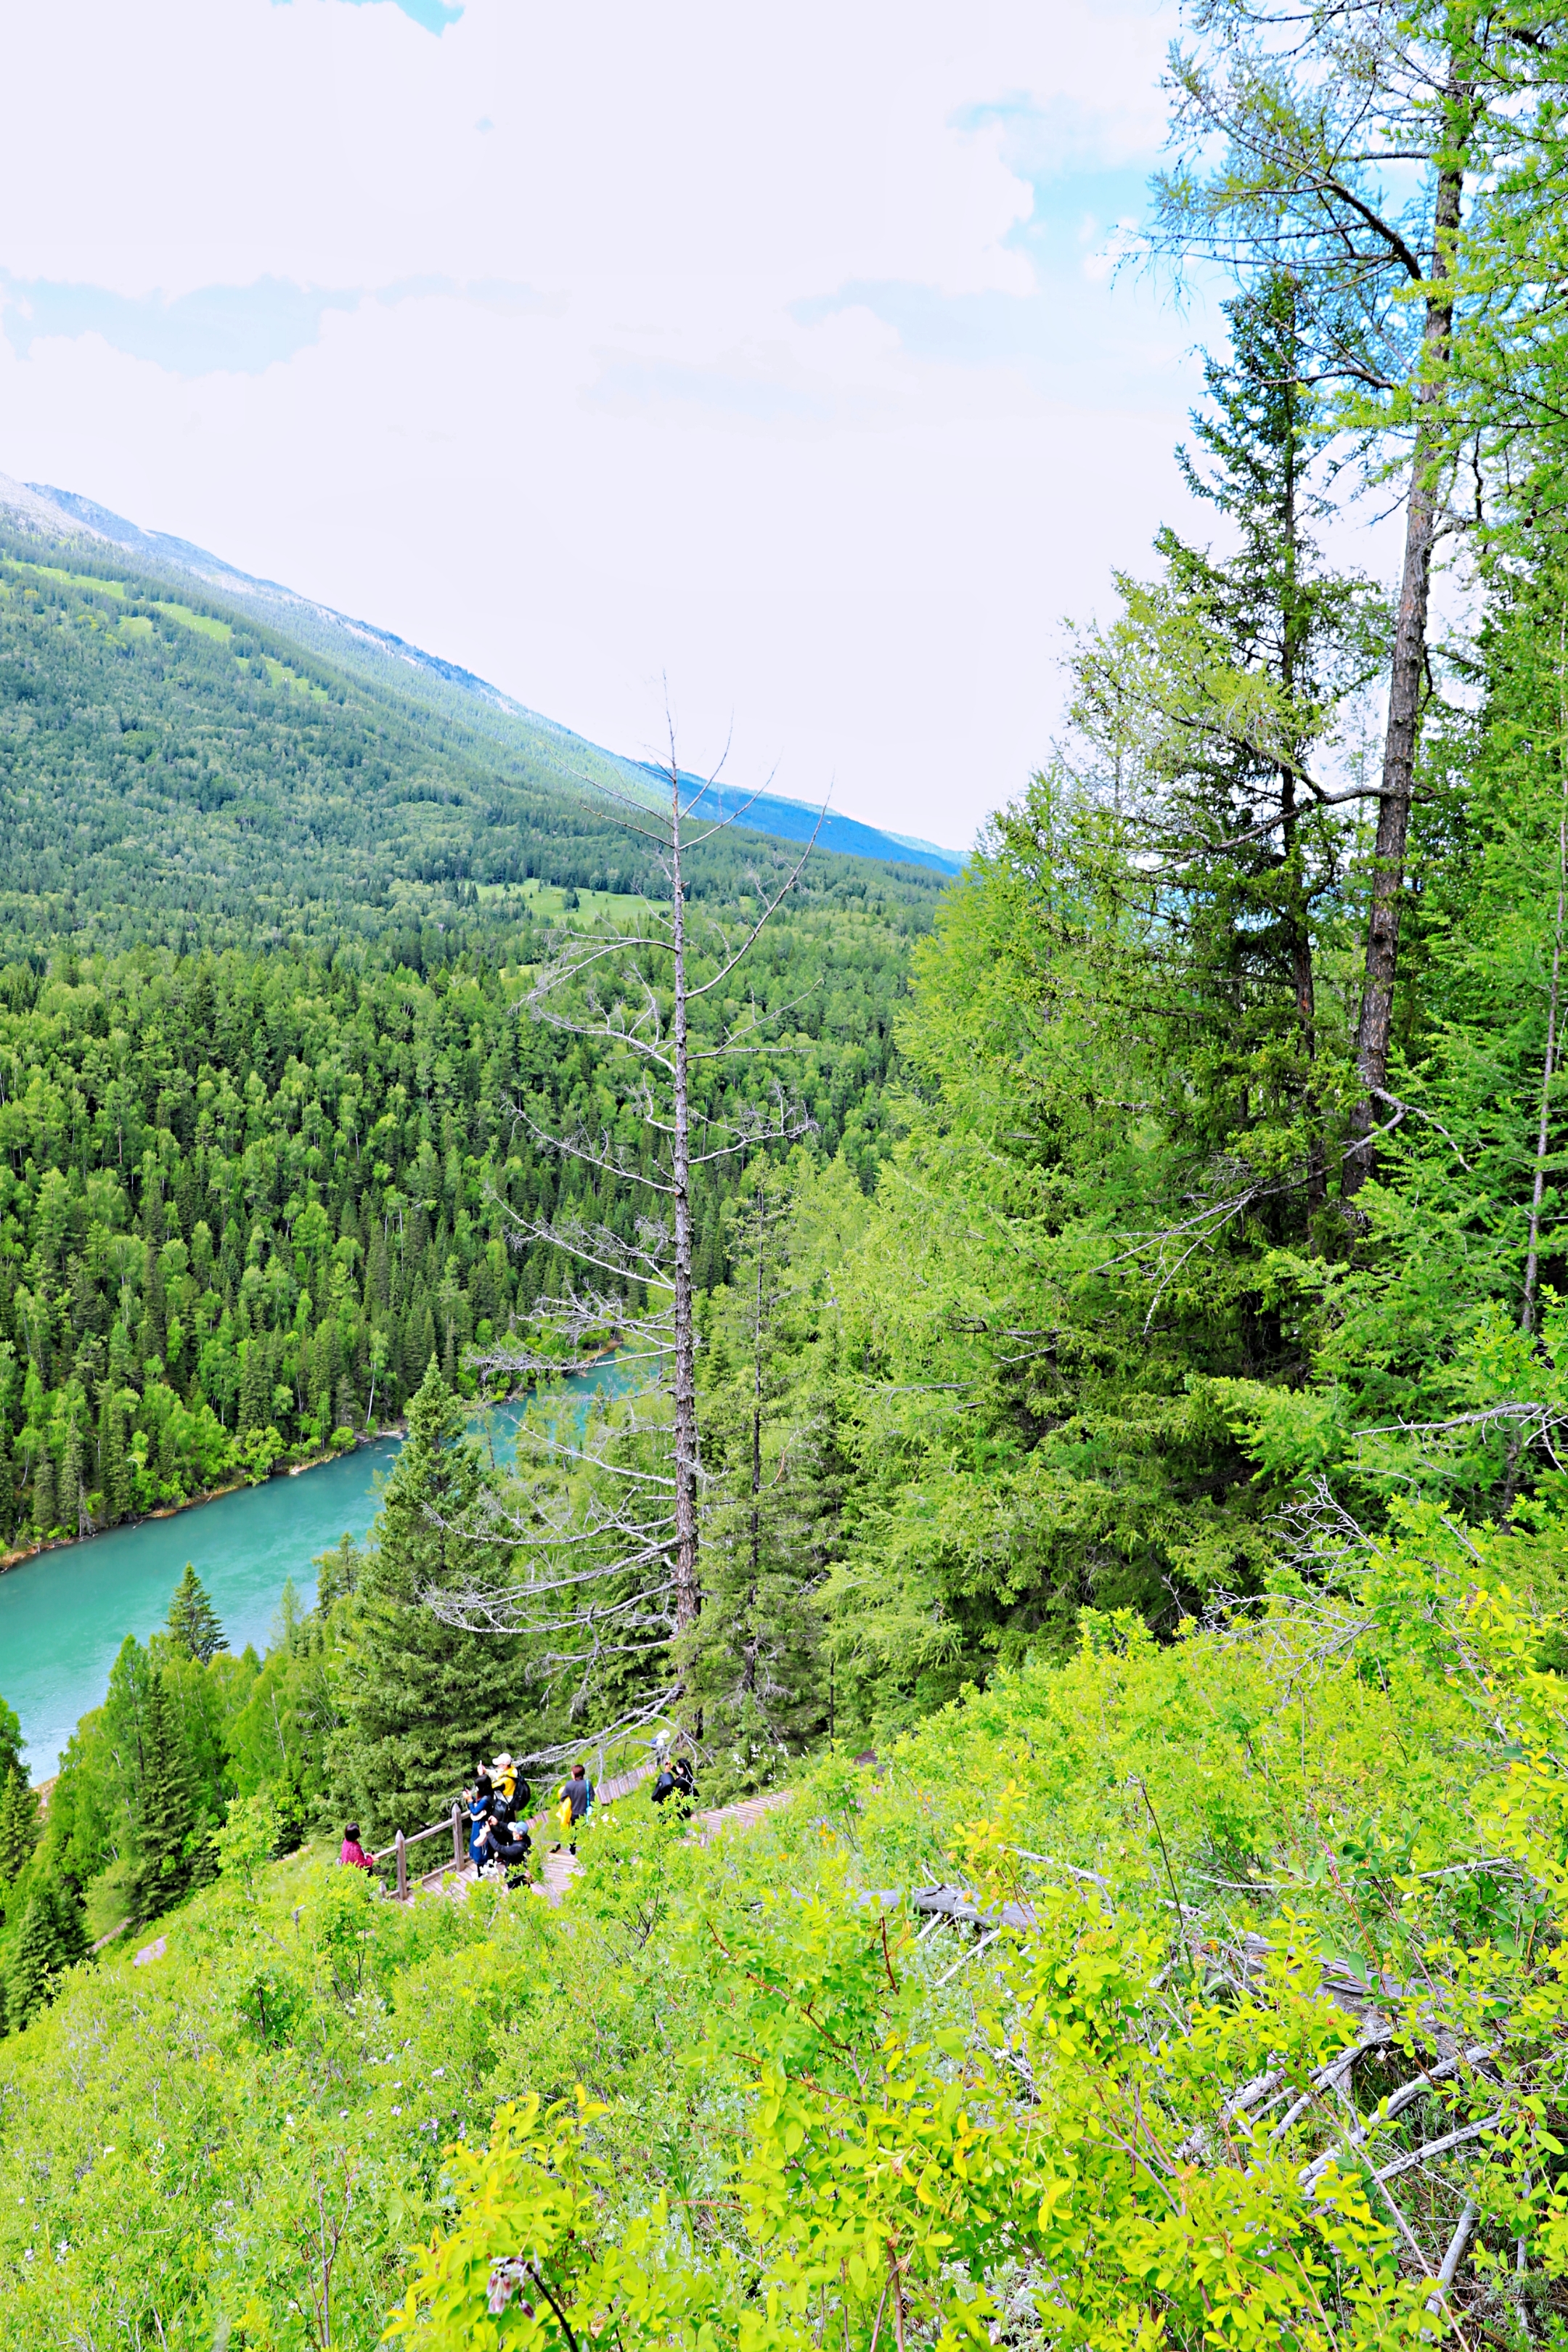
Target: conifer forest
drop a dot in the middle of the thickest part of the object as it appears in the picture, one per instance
(1083, 1480)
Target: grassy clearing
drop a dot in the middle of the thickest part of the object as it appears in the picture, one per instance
(202, 622)
(69, 579)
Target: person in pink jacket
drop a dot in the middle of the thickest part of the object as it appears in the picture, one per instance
(354, 1855)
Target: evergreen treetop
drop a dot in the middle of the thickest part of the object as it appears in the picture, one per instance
(18, 1825)
(11, 1743)
(193, 1625)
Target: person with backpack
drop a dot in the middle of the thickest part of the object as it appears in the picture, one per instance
(676, 1779)
(576, 1797)
(507, 1845)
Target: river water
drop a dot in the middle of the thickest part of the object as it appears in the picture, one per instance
(64, 1614)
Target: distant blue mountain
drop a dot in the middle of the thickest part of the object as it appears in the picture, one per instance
(390, 660)
(798, 821)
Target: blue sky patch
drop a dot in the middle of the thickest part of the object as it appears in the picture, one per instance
(433, 15)
(233, 330)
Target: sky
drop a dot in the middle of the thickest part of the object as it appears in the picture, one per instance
(771, 360)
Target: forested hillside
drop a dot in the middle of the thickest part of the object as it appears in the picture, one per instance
(245, 1199)
(173, 771)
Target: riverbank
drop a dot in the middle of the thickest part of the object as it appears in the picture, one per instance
(62, 1620)
(280, 1469)
(382, 1431)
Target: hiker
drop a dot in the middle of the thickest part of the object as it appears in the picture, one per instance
(512, 1785)
(675, 1780)
(574, 1796)
(353, 1855)
(509, 1844)
(480, 1802)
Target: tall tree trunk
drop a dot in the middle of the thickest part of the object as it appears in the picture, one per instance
(1548, 1064)
(1548, 1069)
(1406, 670)
(1302, 984)
(750, 1677)
(688, 1597)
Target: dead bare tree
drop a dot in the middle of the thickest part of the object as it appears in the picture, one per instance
(605, 1534)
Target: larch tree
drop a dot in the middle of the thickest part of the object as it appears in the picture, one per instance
(1344, 144)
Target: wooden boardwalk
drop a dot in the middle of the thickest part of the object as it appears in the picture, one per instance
(559, 1866)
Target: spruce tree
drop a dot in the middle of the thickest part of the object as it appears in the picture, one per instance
(254, 1399)
(18, 1825)
(73, 1510)
(425, 1701)
(30, 1976)
(11, 1743)
(44, 1494)
(193, 1625)
(754, 1659)
(51, 1938)
(161, 1868)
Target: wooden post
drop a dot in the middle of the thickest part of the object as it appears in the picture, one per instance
(458, 1854)
(402, 1869)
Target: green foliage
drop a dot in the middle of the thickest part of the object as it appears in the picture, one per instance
(10, 1742)
(424, 1702)
(193, 1625)
(160, 1861)
(18, 1827)
(50, 1938)
(244, 1199)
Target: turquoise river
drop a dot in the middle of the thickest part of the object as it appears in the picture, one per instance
(64, 1614)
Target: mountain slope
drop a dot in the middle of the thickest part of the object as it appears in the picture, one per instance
(385, 661)
(170, 768)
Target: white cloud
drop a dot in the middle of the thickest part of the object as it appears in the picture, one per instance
(756, 351)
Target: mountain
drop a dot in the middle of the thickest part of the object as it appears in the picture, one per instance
(385, 660)
(186, 754)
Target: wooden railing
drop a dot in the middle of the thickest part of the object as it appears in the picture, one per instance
(457, 1822)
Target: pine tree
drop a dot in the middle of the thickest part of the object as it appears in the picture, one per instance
(30, 1976)
(254, 1399)
(51, 1938)
(11, 1743)
(754, 1657)
(160, 1869)
(193, 1625)
(337, 1573)
(18, 1825)
(426, 1700)
(74, 1512)
(117, 1464)
(44, 1494)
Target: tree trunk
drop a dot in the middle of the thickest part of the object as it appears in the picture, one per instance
(688, 1597)
(1548, 1064)
(1406, 670)
(750, 1675)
